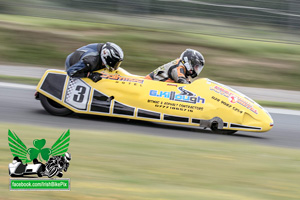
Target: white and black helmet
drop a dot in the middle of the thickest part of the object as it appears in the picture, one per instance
(111, 55)
(67, 157)
(193, 61)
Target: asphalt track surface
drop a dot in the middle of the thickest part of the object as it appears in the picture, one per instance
(18, 106)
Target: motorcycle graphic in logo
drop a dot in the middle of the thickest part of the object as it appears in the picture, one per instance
(57, 158)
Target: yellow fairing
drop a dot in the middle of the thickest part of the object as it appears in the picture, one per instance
(121, 94)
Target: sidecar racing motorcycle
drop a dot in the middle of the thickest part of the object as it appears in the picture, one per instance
(17, 169)
(203, 103)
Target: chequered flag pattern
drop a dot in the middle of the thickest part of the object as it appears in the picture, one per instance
(71, 85)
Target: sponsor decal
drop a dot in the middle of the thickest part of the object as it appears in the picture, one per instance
(117, 77)
(39, 161)
(227, 104)
(184, 96)
(232, 98)
(175, 106)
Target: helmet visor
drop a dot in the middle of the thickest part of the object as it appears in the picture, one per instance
(114, 65)
(117, 65)
(198, 68)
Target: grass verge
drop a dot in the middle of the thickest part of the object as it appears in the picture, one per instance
(17, 79)
(292, 106)
(47, 42)
(110, 165)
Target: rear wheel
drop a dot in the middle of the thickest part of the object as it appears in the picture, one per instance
(40, 174)
(53, 107)
(41, 170)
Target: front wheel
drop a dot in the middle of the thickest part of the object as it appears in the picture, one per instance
(52, 172)
(53, 107)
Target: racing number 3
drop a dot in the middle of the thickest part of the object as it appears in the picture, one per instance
(80, 94)
(77, 94)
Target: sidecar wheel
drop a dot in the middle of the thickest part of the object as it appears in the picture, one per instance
(53, 107)
(214, 129)
(224, 132)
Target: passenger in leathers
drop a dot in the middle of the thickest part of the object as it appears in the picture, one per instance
(190, 64)
(87, 59)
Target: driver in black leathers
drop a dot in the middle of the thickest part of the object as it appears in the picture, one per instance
(87, 59)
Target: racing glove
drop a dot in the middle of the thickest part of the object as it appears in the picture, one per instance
(95, 76)
(184, 81)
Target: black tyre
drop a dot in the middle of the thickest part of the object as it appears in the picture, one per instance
(52, 172)
(53, 107)
(214, 129)
(13, 175)
(40, 171)
(225, 132)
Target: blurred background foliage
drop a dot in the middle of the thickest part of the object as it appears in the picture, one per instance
(252, 43)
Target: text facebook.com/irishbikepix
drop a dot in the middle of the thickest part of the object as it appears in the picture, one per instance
(39, 167)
